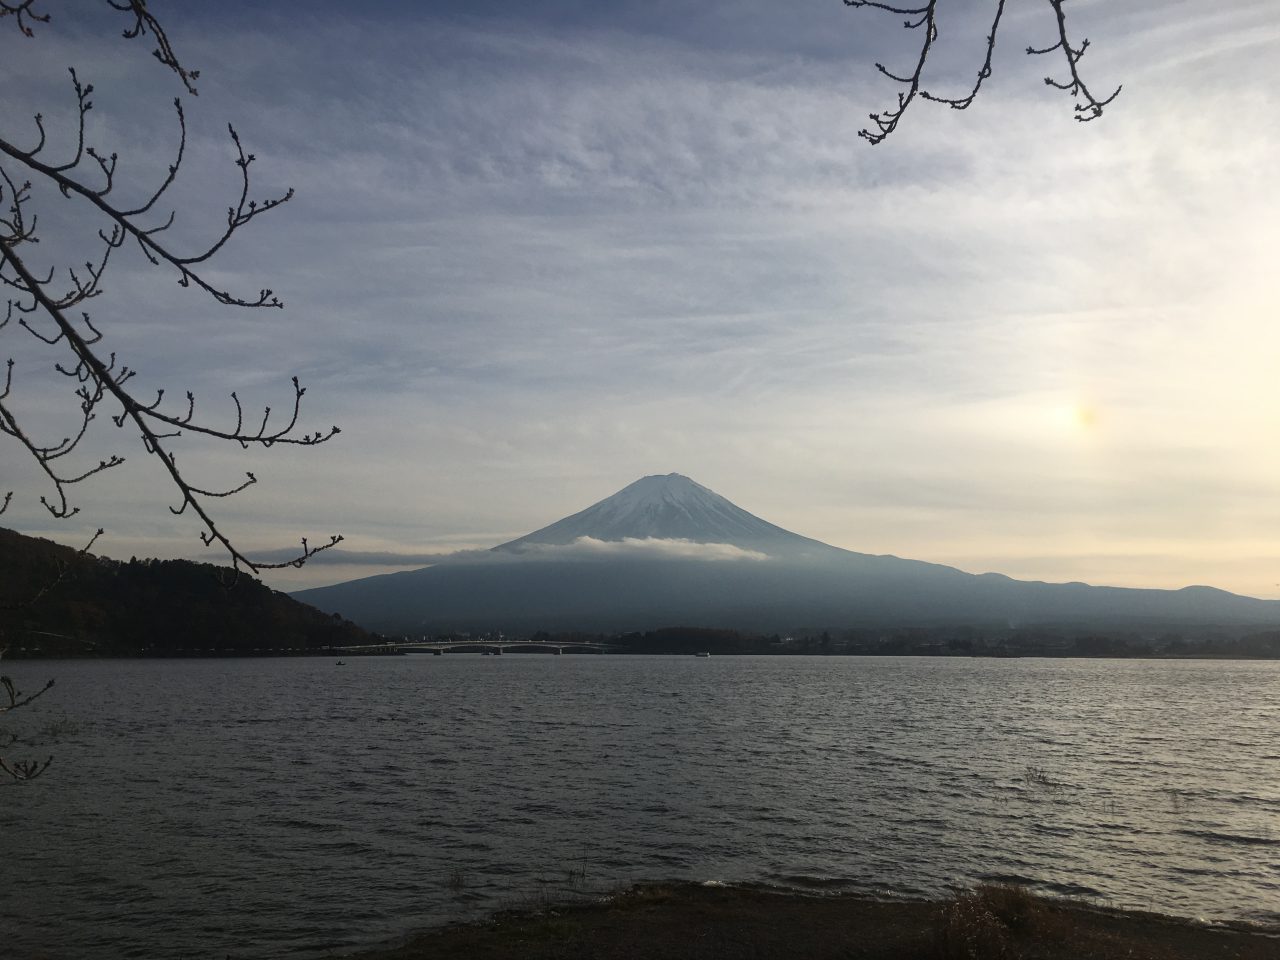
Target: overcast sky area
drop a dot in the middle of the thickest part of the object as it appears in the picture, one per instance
(539, 250)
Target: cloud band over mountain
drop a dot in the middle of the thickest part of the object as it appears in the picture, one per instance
(639, 548)
(584, 548)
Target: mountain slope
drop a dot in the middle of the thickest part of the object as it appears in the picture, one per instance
(668, 551)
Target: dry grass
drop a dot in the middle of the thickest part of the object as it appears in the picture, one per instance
(1039, 777)
(988, 923)
(968, 930)
(1017, 907)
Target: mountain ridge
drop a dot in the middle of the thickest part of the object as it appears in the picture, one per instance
(666, 551)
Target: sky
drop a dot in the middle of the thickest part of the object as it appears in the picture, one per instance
(540, 250)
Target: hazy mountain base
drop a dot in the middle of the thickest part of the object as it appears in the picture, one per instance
(667, 551)
(835, 591)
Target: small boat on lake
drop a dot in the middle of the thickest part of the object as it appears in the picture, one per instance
(703, 653)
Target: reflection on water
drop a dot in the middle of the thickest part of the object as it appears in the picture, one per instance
(263, 808)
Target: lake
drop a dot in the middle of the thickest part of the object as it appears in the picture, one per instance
(260, 808)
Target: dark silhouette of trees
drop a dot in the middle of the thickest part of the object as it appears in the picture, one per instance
(48, 302)
(149, 607)
(924, 18)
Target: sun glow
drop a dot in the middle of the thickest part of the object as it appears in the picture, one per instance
(1085, 416)
(1076, 417)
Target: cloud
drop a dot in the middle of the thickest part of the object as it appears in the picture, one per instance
(584, 548)
(534, 257)
(337, 557)
(630, 548)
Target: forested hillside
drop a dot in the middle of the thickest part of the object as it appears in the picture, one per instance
(56, 602)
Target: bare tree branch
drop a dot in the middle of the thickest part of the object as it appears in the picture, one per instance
(11, 698)
(924, 18)
(23, 15)
(886, 121)
(144, 22)
(1088, 107)
(44, 304)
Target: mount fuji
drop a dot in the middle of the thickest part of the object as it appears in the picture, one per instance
(670, 507)
(667, 551)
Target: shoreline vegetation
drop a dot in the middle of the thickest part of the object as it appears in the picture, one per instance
(31, 644)
(46, 646)
(685, 921)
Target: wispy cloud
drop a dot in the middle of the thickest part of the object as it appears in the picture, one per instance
(535, 256)
(346, 558)
(635, 548)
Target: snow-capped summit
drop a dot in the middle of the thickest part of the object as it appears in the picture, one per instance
(664, 507)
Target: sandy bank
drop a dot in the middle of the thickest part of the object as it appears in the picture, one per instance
(676, 922)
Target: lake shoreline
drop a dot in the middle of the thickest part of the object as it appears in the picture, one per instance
(684, 920)
(513, 649)
(331, 808)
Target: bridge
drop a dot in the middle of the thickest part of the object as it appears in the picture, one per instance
(487, 647)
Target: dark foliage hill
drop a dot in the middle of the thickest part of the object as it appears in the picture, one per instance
(57, 602)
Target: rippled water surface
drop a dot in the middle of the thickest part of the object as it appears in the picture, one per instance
(265, 808)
